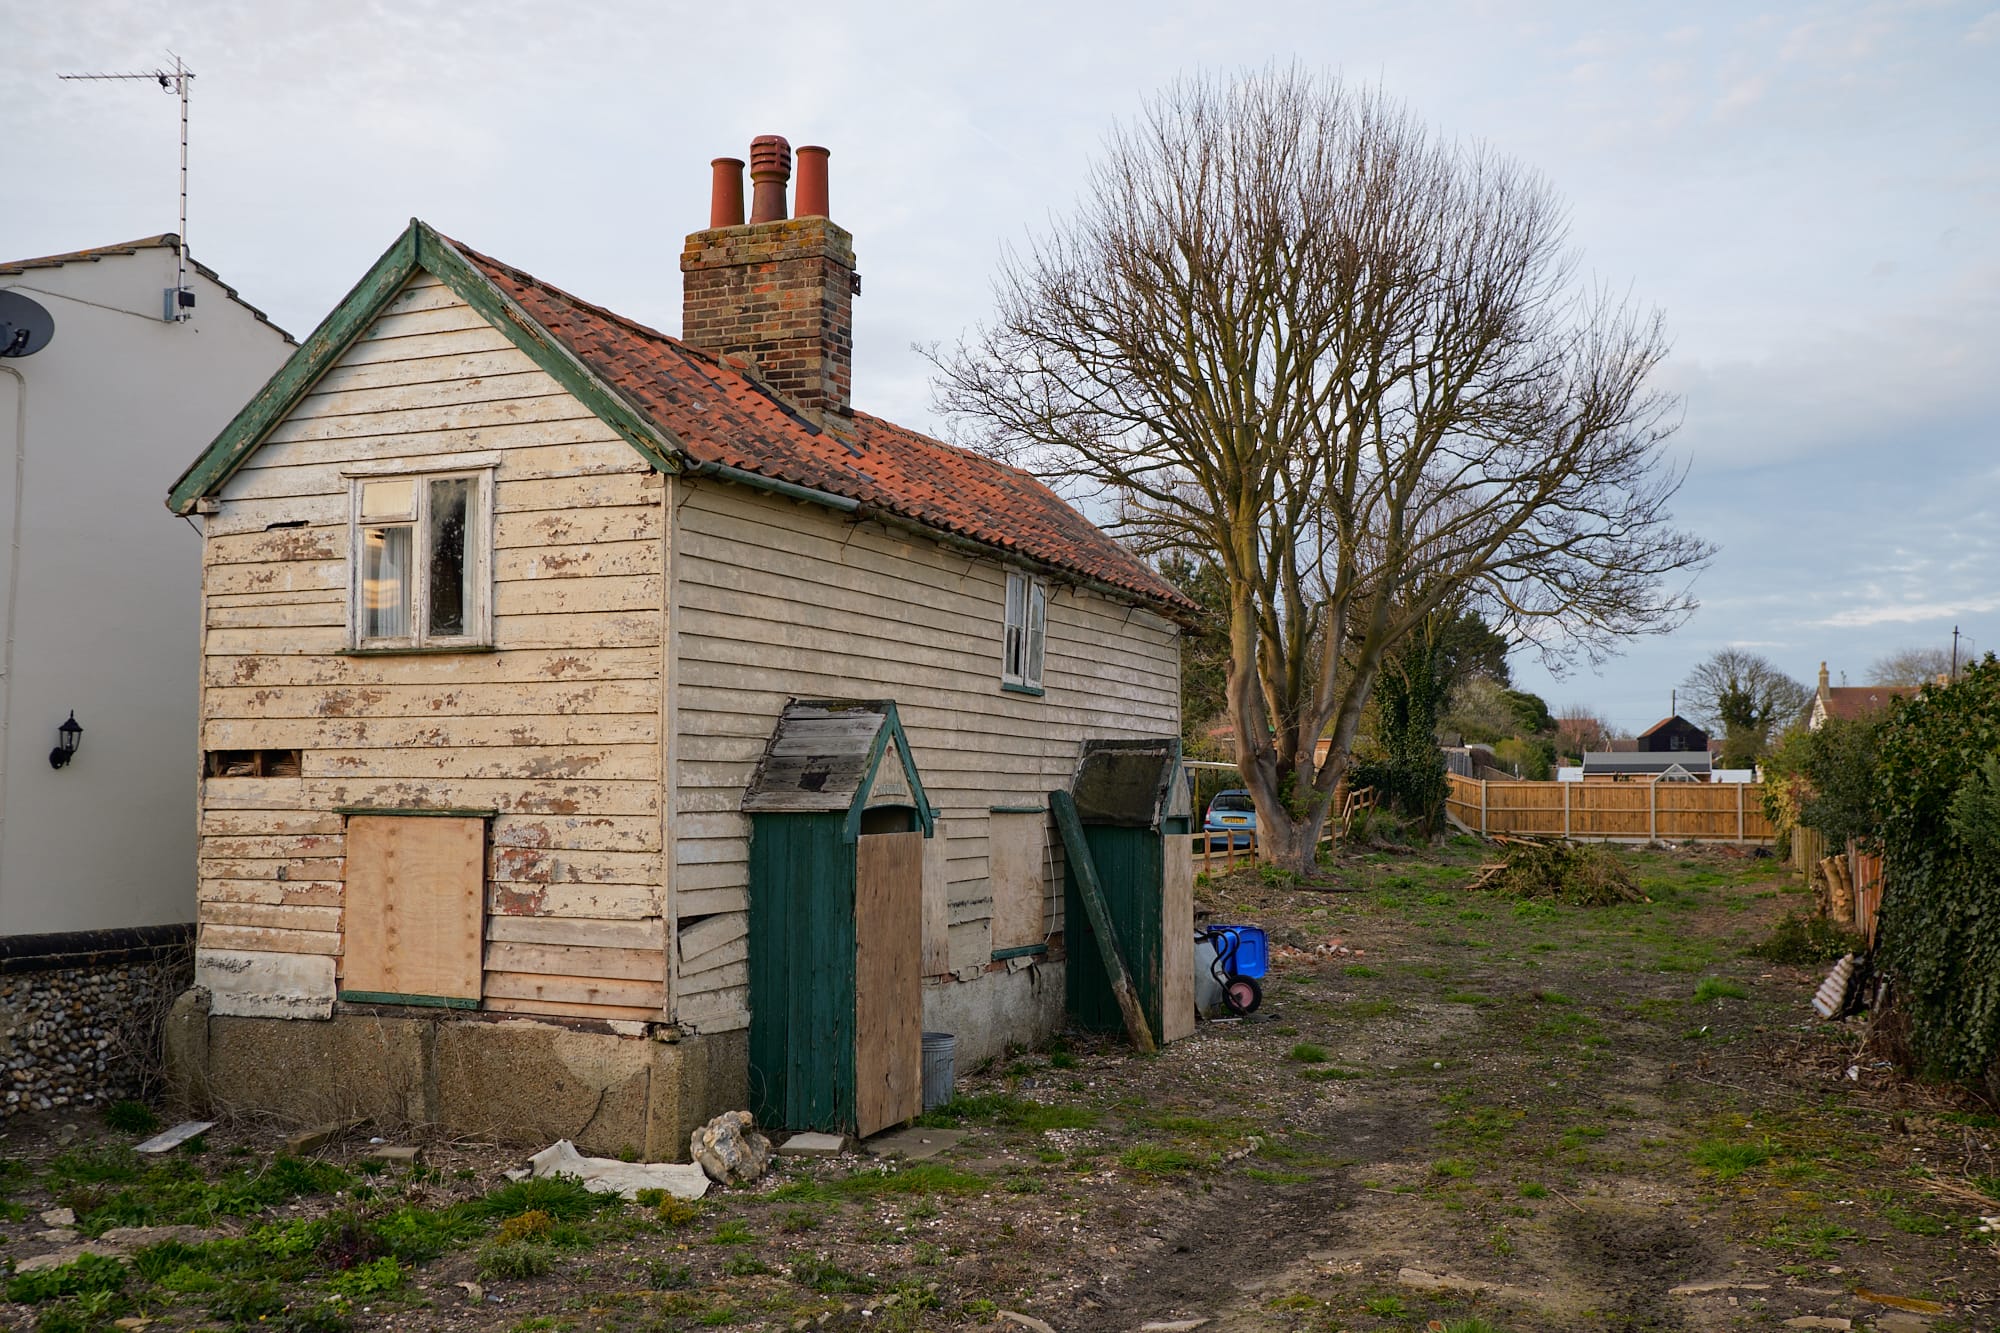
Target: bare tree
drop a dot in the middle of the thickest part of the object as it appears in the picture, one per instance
(1580, 731)
(1289, 329)
(1745, 695)
(1915, 666)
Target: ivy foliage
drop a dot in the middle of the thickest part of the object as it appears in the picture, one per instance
(1937, 799)
(1410, 692)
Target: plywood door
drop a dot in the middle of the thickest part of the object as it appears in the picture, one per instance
(888, 980)
(414, 904)
(1177, 938)
(1016, 848)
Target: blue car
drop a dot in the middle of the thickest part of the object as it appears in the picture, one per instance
(1234, 813)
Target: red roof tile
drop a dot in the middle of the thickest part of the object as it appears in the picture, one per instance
(1849, 702)
(723, 415)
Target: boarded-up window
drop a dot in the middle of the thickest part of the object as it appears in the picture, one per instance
(415, 909)
(1017, 858)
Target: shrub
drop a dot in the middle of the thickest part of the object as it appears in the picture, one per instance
(1580, 874)
(1805, 940)
(531, 1225)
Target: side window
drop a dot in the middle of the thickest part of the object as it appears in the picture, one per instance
(419, 561)
(1025, 641)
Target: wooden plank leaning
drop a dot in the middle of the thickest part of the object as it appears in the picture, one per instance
(1099, 912)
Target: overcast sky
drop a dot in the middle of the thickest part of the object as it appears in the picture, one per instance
(1811, 193)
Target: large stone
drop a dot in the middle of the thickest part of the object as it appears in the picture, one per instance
(730, 1149)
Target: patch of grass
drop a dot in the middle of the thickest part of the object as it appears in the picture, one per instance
(1531, 1190)
(131, 1118)
(1715, 988)
(1726, 1161)
(734, 1231)
(1359, 970)
(1307, 1054)
(1818, 1240)
(376, 1278)
(1915, 1224)
(1011, 1112)
(1468, 997)
(562, 1198)
(830, 1279)
(90, 1274)
(1452, 1168)
(1331, 1074)
(1264, 1176)
(1387, 1307)
(1151, 1159)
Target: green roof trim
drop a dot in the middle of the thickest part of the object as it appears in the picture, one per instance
(892, 730)
(419, 248)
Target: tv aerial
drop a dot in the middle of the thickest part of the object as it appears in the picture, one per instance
(25, 327)
(179, 305)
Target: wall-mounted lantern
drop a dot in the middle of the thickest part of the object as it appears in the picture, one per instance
(68, 736)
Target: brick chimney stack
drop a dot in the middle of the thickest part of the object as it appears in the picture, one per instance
(777, 291)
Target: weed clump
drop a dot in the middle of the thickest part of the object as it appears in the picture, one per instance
(131, 1117)
(1805, 940)
(1578, 874)
(516, 1260)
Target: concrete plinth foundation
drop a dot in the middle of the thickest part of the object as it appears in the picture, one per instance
(513, 1080)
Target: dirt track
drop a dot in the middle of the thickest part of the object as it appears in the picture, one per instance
(1485, 1115)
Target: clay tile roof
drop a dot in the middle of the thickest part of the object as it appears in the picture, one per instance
(723, 415)
(166, 240)
(1849, 702)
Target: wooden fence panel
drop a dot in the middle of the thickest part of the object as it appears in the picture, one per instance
(1622, 811)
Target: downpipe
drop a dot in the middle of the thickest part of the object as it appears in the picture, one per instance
(13, 590)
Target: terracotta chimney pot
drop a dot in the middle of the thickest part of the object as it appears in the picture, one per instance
(810, 201)
(770, 170)
(725, 195)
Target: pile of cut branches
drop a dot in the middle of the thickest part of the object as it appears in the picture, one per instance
(1580, 874)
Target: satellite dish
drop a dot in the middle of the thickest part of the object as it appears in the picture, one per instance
(25, 328)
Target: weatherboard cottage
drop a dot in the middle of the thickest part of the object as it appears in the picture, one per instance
(506, 597)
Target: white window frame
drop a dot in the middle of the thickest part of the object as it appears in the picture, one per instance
(1024, 632)
(479, 556)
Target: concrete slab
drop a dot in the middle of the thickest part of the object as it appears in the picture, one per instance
(813, 1145)
(167, 1140)
(397, 1153)
(913, 1145)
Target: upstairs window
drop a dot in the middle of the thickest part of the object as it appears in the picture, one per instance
(1027, 631)
(419, 561)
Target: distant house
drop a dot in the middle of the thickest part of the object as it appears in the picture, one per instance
(112, 371)
(541, 624)
(1616, 766)
(1673, 735)
(1848, 703)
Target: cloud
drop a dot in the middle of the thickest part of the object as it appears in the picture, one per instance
(1909, 613)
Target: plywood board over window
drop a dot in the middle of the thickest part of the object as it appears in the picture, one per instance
(415, 910)
(1017, 848)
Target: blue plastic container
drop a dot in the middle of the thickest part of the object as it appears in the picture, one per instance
(1244, 950)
